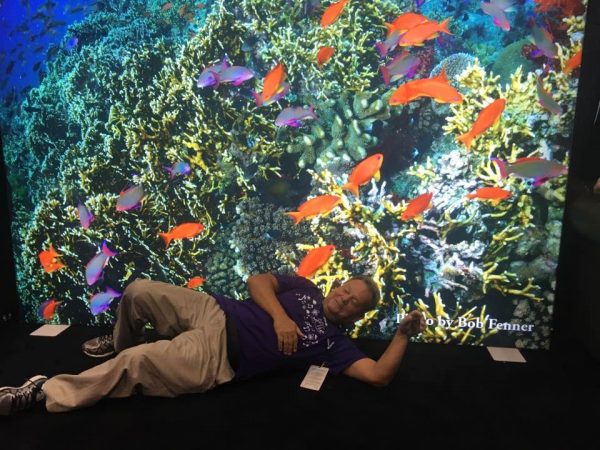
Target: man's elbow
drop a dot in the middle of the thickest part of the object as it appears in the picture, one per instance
(380, 381)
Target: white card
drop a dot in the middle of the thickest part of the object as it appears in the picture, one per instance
(49, 330)
(314, 378)
(506, 354)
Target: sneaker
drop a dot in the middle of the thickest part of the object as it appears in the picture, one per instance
(99, 347)
(13, 399)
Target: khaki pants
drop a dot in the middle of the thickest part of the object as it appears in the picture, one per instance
(193, 361)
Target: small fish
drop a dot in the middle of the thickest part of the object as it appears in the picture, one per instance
(182, 10)
(284, 89)
(495, 194)
(195, 282)
(419, 3)
(131, 198)
(95, 266)
(324, 54)
(235, 75)
(538, 169)
(389, 44)
(332, 12)
(416, 206)
(76, 10)
(314, 260)
(184, 231)
(405, 22)
(573, 63)
(424, 32)
(100, 302)
(178, 168)
(273, 81)
(49, 260)
(436, 87)
(497, 9)
(403, 65)
(293, 116)
(544, 42)
(488, 116)
(209, 75)
(363, 172)
(71, 44)
(545, 98)
(316, 206)
(85, 216)
(47, 309)
(167, 6)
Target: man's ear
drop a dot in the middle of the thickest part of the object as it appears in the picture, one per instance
(336, 284)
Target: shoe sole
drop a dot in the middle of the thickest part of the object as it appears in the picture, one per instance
(98, 356)
(30, 380)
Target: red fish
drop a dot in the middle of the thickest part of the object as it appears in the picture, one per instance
(324, 54)
(314, 207)
(573, 63)
(488, 116)
(195, 282)
(405, 22)
(495, 194)
(332, 12)
(47, 309)
(437, 88)
(185, 230)
(424, 32)
(363, 172)
(314, 260)
(273, 82)
(416, 206)
(49, 260)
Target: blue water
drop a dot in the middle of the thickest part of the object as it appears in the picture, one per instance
(28, 31)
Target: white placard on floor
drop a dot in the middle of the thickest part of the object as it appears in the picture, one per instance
(506, 354)
(49, 330)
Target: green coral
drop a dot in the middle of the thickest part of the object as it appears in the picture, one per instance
(509, 58)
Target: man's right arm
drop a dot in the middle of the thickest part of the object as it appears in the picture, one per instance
(263, 289)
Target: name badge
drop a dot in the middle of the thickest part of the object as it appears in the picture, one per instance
(314, 378)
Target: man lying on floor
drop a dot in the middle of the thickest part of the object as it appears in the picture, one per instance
(286, 323)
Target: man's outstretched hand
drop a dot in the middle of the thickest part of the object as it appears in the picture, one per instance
(287, 334)
(413, 323)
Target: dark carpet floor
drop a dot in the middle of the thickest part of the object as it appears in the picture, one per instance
(443, 397)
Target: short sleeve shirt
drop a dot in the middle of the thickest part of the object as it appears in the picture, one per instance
(323, 342)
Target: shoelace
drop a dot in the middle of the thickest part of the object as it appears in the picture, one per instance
(23, 398)
(105, 341)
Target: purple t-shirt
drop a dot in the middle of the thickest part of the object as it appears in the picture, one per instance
(324, 342)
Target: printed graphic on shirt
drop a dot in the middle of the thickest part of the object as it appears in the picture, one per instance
(314, 325)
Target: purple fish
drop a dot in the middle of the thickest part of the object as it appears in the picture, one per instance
(210, 75)
(419, 3)
(496, 9)
(178, 168)
(233, 74)
(389, 44)
(95, 266)
(543, 41)
(85, 216)
(538, 169)
(546, 99)
(72, 44)
(283, 90)
(130, 198)
(293, 116)
(101, 301)
(403, 65)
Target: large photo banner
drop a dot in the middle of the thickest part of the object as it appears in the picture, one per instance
(424, 143)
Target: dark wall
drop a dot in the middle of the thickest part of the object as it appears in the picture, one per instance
(8, 290)
(577, 314)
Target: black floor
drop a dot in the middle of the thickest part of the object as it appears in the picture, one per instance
(443, 397)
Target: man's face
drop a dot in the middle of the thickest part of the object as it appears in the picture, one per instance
(347, 303)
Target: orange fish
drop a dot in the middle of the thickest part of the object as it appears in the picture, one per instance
(573, 63)
(314, 207)
(324, 54)
(332, 12)
(495, 194)
(50, 261)
(487, 117)
(437, 88)
(416, 206)
(405, 22)
(314, 260)
(166, 6)
(273, 81)
(195, 282)
(48, 308)
(183, 231)
(363, 172)
(423, 32)
(182, 10)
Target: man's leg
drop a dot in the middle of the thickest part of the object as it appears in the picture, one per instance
(193, 361)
